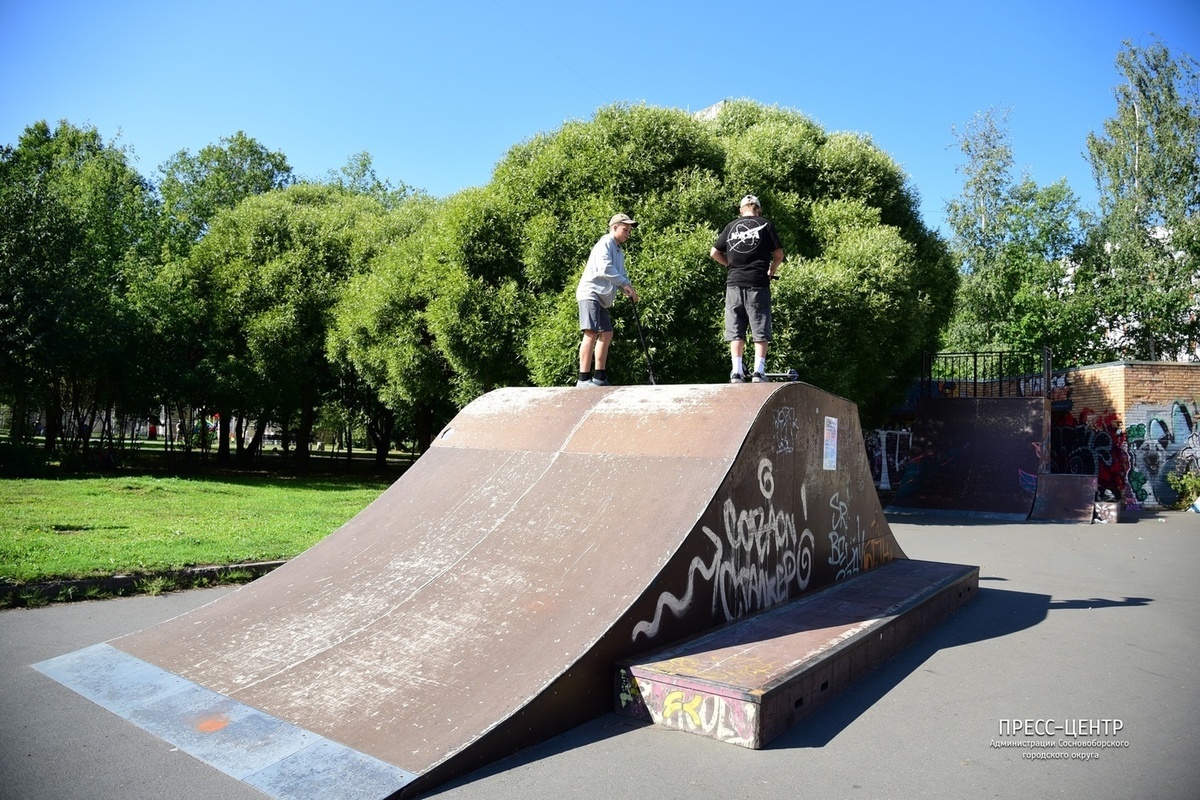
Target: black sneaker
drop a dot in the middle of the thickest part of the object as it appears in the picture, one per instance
(737, 377)
(758, 377)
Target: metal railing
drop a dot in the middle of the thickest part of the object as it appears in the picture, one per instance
(986, 374)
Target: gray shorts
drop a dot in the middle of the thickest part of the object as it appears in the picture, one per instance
(593, 316)
(748, 307)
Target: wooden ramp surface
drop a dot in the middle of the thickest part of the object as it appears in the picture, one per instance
(479, 604)
(1065, 498)
(978, 457)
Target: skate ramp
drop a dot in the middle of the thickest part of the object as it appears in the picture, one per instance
(976, 457)
(1065, 498)
(480, 603)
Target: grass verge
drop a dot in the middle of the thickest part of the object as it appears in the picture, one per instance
(154, 529)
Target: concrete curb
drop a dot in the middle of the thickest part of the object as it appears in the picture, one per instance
(21, 594)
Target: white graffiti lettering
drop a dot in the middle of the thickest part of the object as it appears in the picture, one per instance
(757, 563)
(845, 552)
(785, 429)
(678, 605)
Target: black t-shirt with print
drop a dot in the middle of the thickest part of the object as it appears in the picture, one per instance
(748, 243)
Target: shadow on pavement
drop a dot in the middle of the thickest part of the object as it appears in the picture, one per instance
(993, 614)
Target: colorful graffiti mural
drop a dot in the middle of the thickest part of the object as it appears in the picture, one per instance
(1160, 440)
(1130, 458)
(1132, 453)
(1090, 444)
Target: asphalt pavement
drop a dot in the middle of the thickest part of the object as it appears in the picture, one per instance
(1074, 673)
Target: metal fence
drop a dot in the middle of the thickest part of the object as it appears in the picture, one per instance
(986, 374)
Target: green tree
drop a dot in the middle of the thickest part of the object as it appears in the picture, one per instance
(491, 276)
(1141, 257)
(975, 217)
(358, 175)
(369, 392)
(1016, 244)
(871, 286)
(663, 167)
(267, 275)
(75, 221)
(195, 188)
(38, 242)
(381, 337)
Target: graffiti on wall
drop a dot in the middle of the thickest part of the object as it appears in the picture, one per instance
(727, 719)
(1035, 386)
(786, 426)
(1161, 440)
(1188, 459)
(847, 551)
(889, 453)
(1132, 457)
(779, 526)
(757, 559)
(1090, 444)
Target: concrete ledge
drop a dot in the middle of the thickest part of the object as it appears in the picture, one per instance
(747, 682)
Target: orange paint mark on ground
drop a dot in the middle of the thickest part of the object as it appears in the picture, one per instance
(212, 724)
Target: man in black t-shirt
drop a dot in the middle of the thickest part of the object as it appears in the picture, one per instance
(750, 248)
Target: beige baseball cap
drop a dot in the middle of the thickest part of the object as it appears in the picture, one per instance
(618, 218)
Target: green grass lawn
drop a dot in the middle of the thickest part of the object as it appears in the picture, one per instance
(98, 526)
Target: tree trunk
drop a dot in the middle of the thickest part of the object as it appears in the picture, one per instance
(304, 434)
(54, 416)
(223, 456)
(18, 431)
(382, 429)
(423, 417)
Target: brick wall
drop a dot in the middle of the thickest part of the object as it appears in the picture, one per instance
(1129, 423)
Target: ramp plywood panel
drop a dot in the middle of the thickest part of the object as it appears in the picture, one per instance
(478, 605)
(975, 455)
(1065, 498)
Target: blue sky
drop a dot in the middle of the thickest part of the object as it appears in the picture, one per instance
(437, 92)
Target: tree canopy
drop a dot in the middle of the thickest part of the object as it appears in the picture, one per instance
(232, 288)
(75, 222)
(195, 187)
(268, 275)
(239, 292)
(1142, 257)
(493, 270)
(1016, 242)
(1122, 283)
